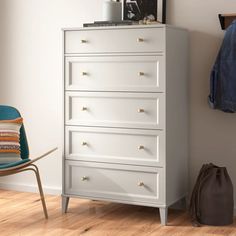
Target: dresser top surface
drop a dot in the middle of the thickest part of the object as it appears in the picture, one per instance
(122, 27)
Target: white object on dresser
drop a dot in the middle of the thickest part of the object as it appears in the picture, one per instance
(112, 10)
(125, 115)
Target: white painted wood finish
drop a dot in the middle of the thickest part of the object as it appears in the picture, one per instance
(135, 147)
(131, 110)
(89, 40)
(177, 121)
(142, 73)
(126, 123)
(115, 181)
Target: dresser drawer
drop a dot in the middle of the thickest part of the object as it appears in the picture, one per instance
(118, 182)
(127, 73)
(131, 110)
(124, 146)
(115, 41)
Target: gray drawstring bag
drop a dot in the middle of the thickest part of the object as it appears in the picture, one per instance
(212, 197)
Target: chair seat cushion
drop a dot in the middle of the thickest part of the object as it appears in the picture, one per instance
(10, 140)
(13, 164)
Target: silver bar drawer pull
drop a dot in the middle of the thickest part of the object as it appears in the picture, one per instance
(141, 73)
(140, 184)
(141, 110)
(83, 41)
(85, 178)
(140, 40)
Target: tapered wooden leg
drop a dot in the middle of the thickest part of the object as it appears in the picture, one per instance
(64, 203)
(163, 215)
(41, 191)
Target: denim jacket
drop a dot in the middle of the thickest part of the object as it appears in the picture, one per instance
(223, 75)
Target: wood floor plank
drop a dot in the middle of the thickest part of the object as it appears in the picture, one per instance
(21, 214)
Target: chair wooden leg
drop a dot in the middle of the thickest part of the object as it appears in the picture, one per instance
(36, 171)
(41, 191)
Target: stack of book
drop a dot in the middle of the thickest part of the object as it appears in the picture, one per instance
(110, 23)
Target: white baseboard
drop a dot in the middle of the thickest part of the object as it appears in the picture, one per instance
(30, 188)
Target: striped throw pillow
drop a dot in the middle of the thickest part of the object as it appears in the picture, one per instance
(10, 140)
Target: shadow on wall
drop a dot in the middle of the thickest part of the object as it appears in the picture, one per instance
(212, 132)
(203, 52)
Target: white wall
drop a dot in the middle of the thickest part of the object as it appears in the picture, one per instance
(212, 132)
(30, 76)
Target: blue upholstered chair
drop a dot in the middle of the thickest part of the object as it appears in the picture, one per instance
(25, 164)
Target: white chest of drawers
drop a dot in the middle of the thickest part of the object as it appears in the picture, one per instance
(125, 115)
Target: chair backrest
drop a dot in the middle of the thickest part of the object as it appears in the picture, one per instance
(10, 113)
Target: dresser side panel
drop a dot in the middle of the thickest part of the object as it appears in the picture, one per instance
(63, 110)
(176, 114)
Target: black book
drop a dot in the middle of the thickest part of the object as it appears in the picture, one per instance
(109, 23)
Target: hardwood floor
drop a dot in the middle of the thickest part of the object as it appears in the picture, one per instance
(21, 214)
